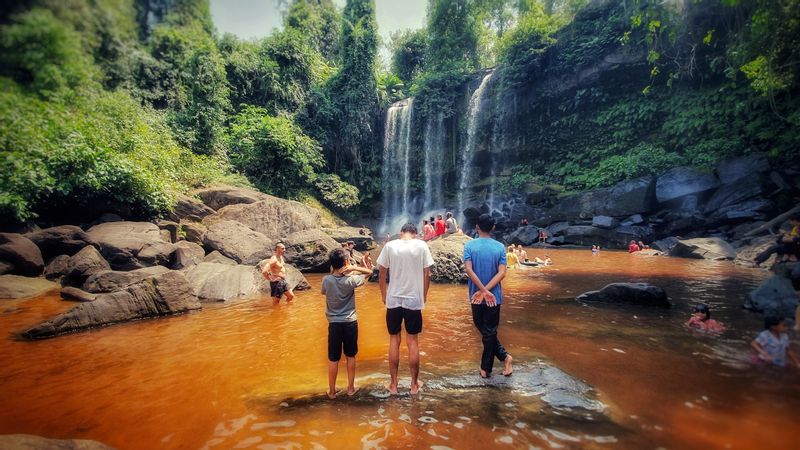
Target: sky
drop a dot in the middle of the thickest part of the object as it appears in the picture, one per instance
(257, 18)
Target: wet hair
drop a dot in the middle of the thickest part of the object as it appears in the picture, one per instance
(431, 219)
(772, 321)
(449, 215)
(438, 216)
(486, 223)
(424, 222)
(703, 308)
(409, 228)
(279, 244)
(338, 258)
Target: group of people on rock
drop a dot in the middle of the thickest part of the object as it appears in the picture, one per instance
(433, 228)
(634, 246)
(405, 294)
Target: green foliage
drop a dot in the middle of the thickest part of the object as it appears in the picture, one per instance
(522, 48)
(643, 159)
(520, 176)
(272, 151)
(390, 88)
(43, 53)
(453, 36)
(336, 192)
(408, 49)
(319, 22)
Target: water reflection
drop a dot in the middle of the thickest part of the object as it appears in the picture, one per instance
(230, 376)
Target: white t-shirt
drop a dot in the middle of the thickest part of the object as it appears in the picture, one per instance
(405, 259)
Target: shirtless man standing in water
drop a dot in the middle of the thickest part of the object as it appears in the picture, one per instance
(275, 272)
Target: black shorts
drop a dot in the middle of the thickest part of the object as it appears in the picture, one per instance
(277, 288)
(342, 335)
(396, 316)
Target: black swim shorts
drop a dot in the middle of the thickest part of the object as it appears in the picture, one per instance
(342, 335)
(277, 288)
(396, 316)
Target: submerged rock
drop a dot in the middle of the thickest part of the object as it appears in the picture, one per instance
(641, 294)
(165, 294)
(31, 442)
(775, 296)
(704, 248)
(448, 259)
(21, 254)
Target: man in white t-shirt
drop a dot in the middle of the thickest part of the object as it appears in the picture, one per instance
(408, 261)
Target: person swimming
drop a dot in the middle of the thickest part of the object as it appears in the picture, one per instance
(701, 320)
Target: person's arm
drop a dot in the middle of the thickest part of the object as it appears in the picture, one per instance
(496, 279)
(764, 355)
(267, 270)
(359, 269)
(382, 282)
(478, 296)
(426, 283)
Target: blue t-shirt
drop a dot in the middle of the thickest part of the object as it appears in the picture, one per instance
(486, 254)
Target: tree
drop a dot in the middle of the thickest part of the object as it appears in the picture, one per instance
(319, 22)
(452, 36)
(408, 49)
(353, 90)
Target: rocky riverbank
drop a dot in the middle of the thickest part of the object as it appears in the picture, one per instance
(210, 250)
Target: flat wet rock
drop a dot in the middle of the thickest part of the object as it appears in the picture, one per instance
(554, 388)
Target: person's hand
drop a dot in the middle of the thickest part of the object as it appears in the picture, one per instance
(477, 298)
(766, 358)
(491, 300)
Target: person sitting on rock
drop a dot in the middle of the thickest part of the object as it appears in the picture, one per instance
(642, 245)
(772, 344)
(633, 247)
(439, 225)
(428, 232)
(701, 320)
(451, 226)
(786, 245)
(275, 272)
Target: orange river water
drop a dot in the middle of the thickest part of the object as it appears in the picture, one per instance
(217, 378)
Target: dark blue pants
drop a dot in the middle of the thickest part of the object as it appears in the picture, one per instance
(486, 320)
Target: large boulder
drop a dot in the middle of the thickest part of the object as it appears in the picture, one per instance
(309, 250)
(131, 245)
(273, 217)
(448, 259)
(237, 242)
(21, 254)
(83, 265)
(604, 222)
(56, 268)
(217, 257)
(114, 280)
(15, 286)
(746, 254)
(193, 232)
(666, 244)
(774, 297)
(526, 236)
(585, 235)
(296, 280)
(218, 197)
(683, 181)
(733, 169)
(215, 282)
(31, 442)
(61, 240)
(165, 294)
(641, 294)
(749, 210)
(621, 200)
(361, 237)
(626, 233)
(704, 248)
(186, 254)
(733, 193)
(189, 208)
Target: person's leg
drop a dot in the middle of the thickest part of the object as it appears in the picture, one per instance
(493, 323)
(334, 355)
(413, 320)
(394, 321)
(487, 357)
(289, 295)
(333, 371)
(351, 375)
(394, 361)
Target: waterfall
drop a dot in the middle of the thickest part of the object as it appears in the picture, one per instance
(473, 116)
(434, 163)
(396, 164)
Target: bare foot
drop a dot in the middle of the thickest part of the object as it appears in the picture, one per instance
(507, 369)
(484, 374)
(392, 389)
(415, 389)
(331, 395)
(351, 391)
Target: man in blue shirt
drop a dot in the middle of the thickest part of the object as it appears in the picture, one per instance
(485, 263)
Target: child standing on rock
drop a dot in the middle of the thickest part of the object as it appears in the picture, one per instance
(340, 299)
